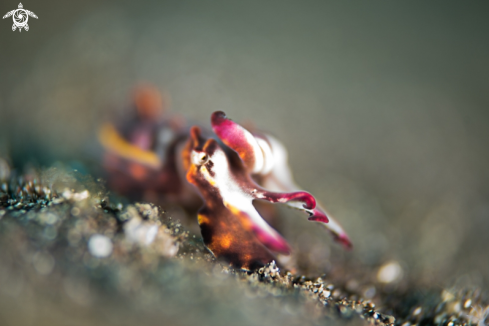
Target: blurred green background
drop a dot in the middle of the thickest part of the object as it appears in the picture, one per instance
(384, 106)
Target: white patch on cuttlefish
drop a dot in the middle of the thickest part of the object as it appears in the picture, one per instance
(233, 195)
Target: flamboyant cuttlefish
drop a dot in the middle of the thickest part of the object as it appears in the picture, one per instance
(163, 156)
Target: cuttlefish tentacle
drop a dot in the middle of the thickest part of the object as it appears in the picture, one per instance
(240, 140)
(280, 179)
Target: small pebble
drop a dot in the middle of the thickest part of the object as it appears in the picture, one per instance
(100, 246)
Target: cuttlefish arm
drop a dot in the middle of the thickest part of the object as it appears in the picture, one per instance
(266, 157)
(280, 179)
(256, 154)
(245, 191)
(240, 140)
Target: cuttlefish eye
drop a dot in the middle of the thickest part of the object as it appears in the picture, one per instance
(203, 157)
(199, 158)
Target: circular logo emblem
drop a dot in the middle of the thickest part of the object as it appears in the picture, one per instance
(20, 17)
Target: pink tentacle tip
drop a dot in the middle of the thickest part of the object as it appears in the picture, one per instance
(308, 200)
(276, 244)
(345, 241)
(318, 216)
(229, 131)
(223, 126)
(218, 117)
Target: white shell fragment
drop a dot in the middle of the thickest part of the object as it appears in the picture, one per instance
(100, 246)
(76, 196)
(390, 272)
(149, 233)
(141, 232)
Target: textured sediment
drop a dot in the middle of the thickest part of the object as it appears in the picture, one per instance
(70, 254)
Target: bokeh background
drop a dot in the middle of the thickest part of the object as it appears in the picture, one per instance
(384, 106)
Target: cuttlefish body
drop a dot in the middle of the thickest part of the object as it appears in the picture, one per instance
(230, 169)
(231, 227)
